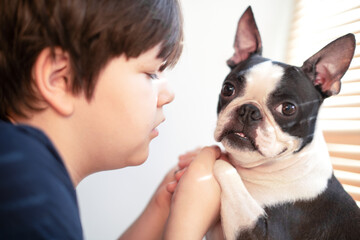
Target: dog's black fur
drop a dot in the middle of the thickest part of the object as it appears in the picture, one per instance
(332, 215)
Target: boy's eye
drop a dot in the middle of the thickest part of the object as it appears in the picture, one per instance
(152, 76)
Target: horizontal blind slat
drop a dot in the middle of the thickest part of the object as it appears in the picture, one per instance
(343, 151)
(307, 41)
(309, 7)
(318, 40)
(353, 191)
(355, 64)
(328, 20)
(349, 178)
(350, 88)
(351, 76)
(341, 131)
(345, 126)
(348, 165)
(342, 138)
(342, 101)
(344, 113)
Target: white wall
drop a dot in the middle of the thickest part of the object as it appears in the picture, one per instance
(110, 201)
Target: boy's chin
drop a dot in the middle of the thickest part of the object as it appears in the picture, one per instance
(139, 161)
(139, 158)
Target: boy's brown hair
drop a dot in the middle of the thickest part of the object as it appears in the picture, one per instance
(92, 32)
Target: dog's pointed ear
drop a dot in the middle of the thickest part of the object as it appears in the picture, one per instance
(247, 39)
(328, 66)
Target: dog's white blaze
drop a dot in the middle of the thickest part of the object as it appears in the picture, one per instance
(261, 80)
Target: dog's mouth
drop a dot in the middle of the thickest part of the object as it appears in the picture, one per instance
(239, 139)
(241, 135)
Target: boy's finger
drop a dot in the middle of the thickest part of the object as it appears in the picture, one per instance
(192, 152)
(184, 162)
(171, 186)
(189, 155)
(209, 154)
(187, 158)
(179, 173)
(224, 157)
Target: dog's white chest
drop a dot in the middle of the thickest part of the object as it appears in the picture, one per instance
(246, 192)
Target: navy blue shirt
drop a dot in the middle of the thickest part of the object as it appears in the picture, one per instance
(37, 197)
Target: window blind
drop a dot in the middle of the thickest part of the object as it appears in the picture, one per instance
(315, 24)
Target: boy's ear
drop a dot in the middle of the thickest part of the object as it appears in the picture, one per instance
(247, 39)
(326, 67)
(52, 75)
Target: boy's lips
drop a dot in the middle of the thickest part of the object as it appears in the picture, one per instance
(155, 132)
(163, 120)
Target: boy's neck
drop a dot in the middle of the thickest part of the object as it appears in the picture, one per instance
(58, 131)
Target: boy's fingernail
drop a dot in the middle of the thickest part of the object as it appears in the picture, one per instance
(179, 174)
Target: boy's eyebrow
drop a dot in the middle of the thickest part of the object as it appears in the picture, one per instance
(154, 65)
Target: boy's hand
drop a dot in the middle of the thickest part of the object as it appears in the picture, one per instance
(196, 200)
(150, 224)
(152, 220)
(184, 162)
(163, 197)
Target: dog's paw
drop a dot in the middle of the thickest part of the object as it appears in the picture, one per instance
(223, 169)
(239, 211)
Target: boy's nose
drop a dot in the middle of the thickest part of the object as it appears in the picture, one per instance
(165, 95)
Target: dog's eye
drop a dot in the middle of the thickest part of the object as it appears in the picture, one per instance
(287, 109)
(228, 90)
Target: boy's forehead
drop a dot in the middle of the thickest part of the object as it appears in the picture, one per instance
(150, 58)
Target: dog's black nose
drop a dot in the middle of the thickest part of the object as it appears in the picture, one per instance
(249, 114)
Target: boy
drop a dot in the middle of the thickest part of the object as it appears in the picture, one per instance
(80, 93)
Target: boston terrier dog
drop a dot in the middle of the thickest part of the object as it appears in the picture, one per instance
(279, 183)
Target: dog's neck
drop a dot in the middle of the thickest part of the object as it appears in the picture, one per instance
(299, 176)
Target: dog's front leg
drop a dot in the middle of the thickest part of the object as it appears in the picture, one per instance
(239, 211)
